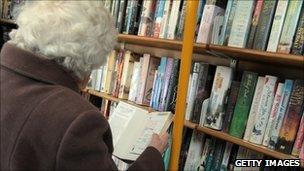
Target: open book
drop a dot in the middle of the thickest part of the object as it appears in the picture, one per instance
(132, 129)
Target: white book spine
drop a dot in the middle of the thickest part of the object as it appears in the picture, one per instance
(173, 19)
(221, 84)
(241, 24)
(164, 23)
(192, 91)
(104, 77)
(254, 107)
(263, 110)
(98, 79)
(204, 112)
(126, 75)
(134, 81)
(194, 152)
(145, 17)
(273, 113)
(277, 26)
(187, 115)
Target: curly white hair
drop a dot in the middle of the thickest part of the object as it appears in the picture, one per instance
(77, 34)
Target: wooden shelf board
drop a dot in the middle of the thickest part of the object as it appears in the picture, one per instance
(8, 22)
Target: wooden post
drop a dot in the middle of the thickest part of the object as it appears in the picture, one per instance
(185, 65)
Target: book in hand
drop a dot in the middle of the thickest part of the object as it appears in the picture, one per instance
(132, 129)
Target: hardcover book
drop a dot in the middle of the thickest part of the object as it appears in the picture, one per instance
(130, 139)
(242, 107)
(277, 123)
(299, 139)
(221, 84)
(273, 113)
(290, 26)
(264, 109)
(292, 118)
(298, 44)
(277, 26)
(264, 25)
(241, 24)
(254, 107)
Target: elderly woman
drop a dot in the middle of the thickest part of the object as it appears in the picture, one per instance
(45, 123)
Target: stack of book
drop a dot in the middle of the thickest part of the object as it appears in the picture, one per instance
(260, 109)
(145, 80)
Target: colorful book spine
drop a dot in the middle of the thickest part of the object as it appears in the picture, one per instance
(277, 26)
(264, 109)
(276, 126)
(173, 19)
(254, 23)
(192, 91)
(273, 113)
(126, 75)
(300, 138)
(242, 107)
(233, 94)
(241, 24)
(172, 88)
(160, 82)
(165, 20)
(181, 22)
(228, 22)
(119, 69)
(204, 85)
(146, 18)
(254, 107)
(153, 65)
(158, 17)
(221, 84)
(298, 44)
(264, 25)
(292, 118)
(134, 81)
(165, 87)
(290, 26)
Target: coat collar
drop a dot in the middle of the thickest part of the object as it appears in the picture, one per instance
(31, 65)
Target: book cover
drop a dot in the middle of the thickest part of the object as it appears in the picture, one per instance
(181, 22)
(264, 25)
(202, 163)
(159, 12)
(134, 80)
(277, 26)
(146, 18)
(254, 107)
(126, 75)
(264, 109)
(221, 84)
(298, 43)
(173, 19)
(241, 24)
(231, 8)
(232, 97)
(203, 90)
(194, 152)
(172, 88)
(192, 90)
(299, 138)
(165, 19)
(292, 118)
(110, 71)
(242, 107)
(277, 123)
(273, 113)
(121, 15)
(226, 156)
(168, 72)
(289, 26)
(254, 23)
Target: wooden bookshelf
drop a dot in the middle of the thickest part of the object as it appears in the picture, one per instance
(241, 142)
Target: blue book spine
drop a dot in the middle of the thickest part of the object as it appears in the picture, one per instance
(162, 69)
(227, 13)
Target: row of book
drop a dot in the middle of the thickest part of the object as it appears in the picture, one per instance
(274, 26)
(153, 18)
(260, 109)
(145, 80)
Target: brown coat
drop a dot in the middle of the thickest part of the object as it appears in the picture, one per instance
(47, 125)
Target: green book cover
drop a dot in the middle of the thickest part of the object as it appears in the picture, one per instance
(243, 104)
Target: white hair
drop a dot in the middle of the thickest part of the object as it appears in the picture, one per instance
(77, 34)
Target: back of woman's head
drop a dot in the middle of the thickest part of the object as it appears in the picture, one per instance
(77, 34)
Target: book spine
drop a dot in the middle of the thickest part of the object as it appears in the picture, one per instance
(121, 15)
(127, 24)
(154, 88)
(218, 154)
(276, 126)
(104, 77)
(143, 78)
(226, 156)
(194, 152)
(110, 71)
(204, 155)
(301, 156)
(274, 111)
(254, 107)
(160, 82)
(221, 84)
(277, 26)
(204, 112)
(173, 19)
(120, 72)
(154, 63)
(242, 107)
(168, 73)
(254, 23)
(204, 85)
(139, 81)
(241, 23)
(145, 18)
(158, 17)
(165, 19)
(169, 102)
(264, 109)
(292, 118)
(210, 156)
(199, 14)
(98, 79)
(134, 80)
(300, 138)
(290, 26)
(116, 11)
(126, 75)
(181, 23)
(298, 44)
(225, 22)
(264, 25)
(234, 90)
(228, 23)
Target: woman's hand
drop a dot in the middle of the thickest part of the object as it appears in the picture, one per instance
(160, 142)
